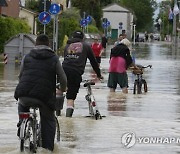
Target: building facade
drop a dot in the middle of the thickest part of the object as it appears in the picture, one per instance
(120, 19)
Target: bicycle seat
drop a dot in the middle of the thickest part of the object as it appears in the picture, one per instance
(89, 83)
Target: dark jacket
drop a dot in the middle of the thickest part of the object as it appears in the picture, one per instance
(75, 56)
(123, 51)
(38, 76)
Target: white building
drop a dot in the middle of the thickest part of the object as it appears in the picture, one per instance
(116, 14)
(30, 16)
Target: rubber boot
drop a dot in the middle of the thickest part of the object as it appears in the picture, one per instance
(69, 112)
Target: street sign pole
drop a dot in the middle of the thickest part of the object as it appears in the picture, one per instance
(54, 10)
(57, 28)
(44, 11)
(134, 33)
(54, 33)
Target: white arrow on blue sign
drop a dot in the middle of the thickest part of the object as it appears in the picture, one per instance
(44, 17)
(54, 9)
(83, 22)
(89, 19)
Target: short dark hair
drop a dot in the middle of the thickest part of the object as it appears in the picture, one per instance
(42, 39)
(78, 34)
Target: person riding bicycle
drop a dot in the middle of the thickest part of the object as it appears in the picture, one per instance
(75, 56)
(39, 71)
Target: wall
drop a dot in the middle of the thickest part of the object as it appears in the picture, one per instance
(12, 9)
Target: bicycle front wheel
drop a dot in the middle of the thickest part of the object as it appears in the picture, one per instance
(137, 87)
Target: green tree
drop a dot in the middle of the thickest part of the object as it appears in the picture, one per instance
(10, 27)
(89, 7)
(144, 11)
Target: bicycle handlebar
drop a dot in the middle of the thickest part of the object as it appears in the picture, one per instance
(141, 67)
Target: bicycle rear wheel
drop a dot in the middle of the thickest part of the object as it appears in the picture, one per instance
(57, 130)
(145, 86)
(26, 137)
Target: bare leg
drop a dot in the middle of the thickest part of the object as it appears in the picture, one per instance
(70, 103)
(112, 90)
(125, 90)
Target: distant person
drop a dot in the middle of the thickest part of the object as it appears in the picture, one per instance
(120, 60)
(104, 41)
(119, 39)
(97, 49)
(37, 87)
(76, 54)
(137, 37)
(151, 37)
(146, 37)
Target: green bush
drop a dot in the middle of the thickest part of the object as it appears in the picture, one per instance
(10, 27)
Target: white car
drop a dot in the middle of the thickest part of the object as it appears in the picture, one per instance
(156, 36)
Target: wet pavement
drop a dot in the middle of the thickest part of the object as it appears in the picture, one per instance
(144, 117)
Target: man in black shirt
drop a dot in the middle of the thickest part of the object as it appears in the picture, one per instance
(76, 53)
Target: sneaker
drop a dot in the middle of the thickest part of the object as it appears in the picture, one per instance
(69, 112)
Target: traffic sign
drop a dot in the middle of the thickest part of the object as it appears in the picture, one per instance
(89, 19)
(120, 23)
(54, 9)
(106, 24)
(120, 27)
(83, 22)
(44, 17)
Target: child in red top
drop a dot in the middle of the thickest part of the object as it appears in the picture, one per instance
(97, 49)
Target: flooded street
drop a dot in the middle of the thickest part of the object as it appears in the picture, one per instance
(154, 115)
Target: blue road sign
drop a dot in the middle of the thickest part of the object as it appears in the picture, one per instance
(54, 9)
(120, 23)
(104, 25)
(120, 27)
(83, 22)
(44, 17)
(108, 23)
(89, 19)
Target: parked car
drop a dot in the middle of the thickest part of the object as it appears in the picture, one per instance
(89, 37)
(156, 36)
(141, 37)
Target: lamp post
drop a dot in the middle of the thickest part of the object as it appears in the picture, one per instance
(176, 12)
(159, 22)
(134, 27)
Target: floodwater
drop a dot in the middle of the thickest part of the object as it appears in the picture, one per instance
(154, 115)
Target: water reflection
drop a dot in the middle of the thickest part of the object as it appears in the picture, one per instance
(155, 113)
(116, 104)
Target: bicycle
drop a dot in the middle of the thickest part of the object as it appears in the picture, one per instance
(93, 109)
(30, 128)
(140, 81)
